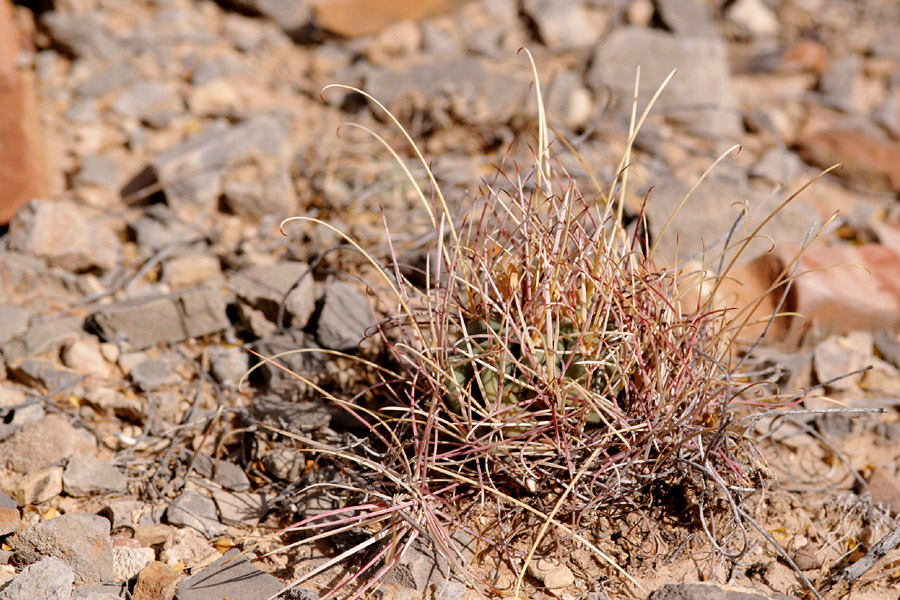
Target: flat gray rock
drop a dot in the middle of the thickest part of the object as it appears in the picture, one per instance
(289, 14)
(140, 98)
(48, 579)
(86, 476)
(13, 322)
(146, 322)
(224, 472)
(117, 75)
(158, 229)
(98, 170)
(231, 576)
(190, 173)
(275, 412)
(345, 317)
(241, 509)
(152, 374)
(101, 591)
(195, 510)
(273, 195)
(80, 540)
(43, 336)
(44, 374)
(701, 94)
(710, 591)
(706, 217)
(82, 35)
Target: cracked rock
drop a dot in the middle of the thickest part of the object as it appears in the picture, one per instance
(80, 540)
(146, 322)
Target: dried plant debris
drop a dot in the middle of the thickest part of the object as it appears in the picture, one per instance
(548, 378)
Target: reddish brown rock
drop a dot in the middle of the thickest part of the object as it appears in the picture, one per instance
(869, 161)
(352, 18)
(847, 288)
(804, 56)
(22, 172)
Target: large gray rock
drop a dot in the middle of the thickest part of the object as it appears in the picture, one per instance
(145, 322)
(706, 217)
(82, 35)
(86, 476)
(64, 234)
(267, 287)
(701, 94)
(80, 540)
(233, 576)
(47, 579)
(191, 172)
(27, 449)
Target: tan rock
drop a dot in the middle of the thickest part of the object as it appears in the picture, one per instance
(27, 449)
(38, 486)
(352, 18)
(552, 574)
(157, 581)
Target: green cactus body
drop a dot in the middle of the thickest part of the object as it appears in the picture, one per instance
(585, 372)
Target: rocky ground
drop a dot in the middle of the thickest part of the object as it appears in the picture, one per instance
(165, 140)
